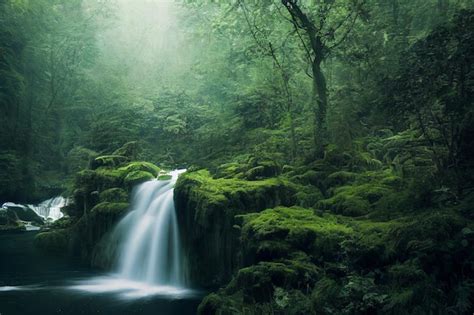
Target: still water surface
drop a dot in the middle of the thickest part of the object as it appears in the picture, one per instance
(32, 282)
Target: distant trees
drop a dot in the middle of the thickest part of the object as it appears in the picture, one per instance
(324, 26)
(233, 81)
(46, 48)
(434, 92)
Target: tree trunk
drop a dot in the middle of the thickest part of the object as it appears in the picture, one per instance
(320, 107)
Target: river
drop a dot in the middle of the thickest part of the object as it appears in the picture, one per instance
(32, 282)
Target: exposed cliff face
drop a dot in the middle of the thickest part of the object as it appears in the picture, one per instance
(210, 231)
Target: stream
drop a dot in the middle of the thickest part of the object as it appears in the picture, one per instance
(149, 278)
(34, 283)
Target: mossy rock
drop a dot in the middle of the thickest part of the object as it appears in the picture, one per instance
(136, 177)
(114, 195)
(110, 208)
(142, 166)
(262, 287)
(98, 180)
(54, 241)
(165, 177)
(62, 223)
(86, 234)
(258, 281)
(355, 200)
(206, 209)
(293, 229)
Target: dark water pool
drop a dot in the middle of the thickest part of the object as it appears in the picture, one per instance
(34, 283)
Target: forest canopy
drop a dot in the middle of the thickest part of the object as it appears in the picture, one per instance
(200, 82)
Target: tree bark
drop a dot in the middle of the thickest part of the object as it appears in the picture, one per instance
(320, 99)
(320, 107)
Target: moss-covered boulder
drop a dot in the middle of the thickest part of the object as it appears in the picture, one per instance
(206, 208)
(281, 248)
(360, 194)
(90, 184)
(114, 195)
(87, 233)
(277, 233)
(53, 241)
(142, 166)
(137, 177)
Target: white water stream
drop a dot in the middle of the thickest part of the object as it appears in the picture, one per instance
(149, 257)
(50, 209)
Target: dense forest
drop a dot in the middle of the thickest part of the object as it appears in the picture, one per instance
(329, 144)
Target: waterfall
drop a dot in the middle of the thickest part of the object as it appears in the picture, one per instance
(150, 250)
(51, 208)
(147, 249)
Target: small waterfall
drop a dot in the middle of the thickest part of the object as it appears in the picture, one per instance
(50, 209)
(149, 247)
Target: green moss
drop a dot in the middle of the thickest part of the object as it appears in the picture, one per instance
(56, 241)
(142, 166)
(114, 195)
(110, 208)
(370, 239)
(62, 223)
(242, 195)
(279, 232)
(258, 281)
(137, 177)
(207, 207)
(366, 194)
(98, 180)
(291, 219)
(165, 177)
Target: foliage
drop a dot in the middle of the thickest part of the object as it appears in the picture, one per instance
(329, 143)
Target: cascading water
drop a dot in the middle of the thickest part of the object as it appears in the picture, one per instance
(151, 251)
(148, 255)
(51, 208)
